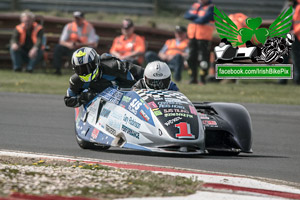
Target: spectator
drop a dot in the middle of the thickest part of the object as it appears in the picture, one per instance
(200, 33)
(174, 52)
(26, 43)
(296, 45)
(129, 46)
(239, 19)
(76, 34)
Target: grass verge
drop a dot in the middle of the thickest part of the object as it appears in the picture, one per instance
(245, 91)
(42, 177)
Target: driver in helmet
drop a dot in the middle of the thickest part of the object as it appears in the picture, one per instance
(94, 73)
(157, 76)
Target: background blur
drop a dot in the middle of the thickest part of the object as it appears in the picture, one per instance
(267, 9)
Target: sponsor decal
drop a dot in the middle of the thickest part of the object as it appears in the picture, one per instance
(112, 95)
(95, 134)
(111, 130)
(203, 116)
(134, 106)
(144, 115)
(126, 99)
(178, 115)
(114, 124)
(178, 101)
(184, 131)
(175, 110)
(158, 98)
(131, 132)
(131, 121)
(172, 121)
(209, 123)
(105, 113)
(193, 110)
(152, 105)
(145, 104)
(170, 105)
(158, 74)
(117, 115)
(157, 112)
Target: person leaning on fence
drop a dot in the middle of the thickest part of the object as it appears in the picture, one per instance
(174, 52)
(26, 43)
(75, 34)
(200, 32)
(129, 46)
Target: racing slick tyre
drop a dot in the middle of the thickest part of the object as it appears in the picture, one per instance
(223, 153)
(89, 145)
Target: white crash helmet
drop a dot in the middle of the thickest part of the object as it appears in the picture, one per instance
(157, 75)
(85, 63)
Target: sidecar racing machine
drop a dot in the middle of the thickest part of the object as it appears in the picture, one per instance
(162, 121)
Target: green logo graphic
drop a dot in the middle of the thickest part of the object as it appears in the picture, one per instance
(227, 29)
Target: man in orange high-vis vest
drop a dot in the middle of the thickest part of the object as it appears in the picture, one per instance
(239, 19)
(26, 43)
(76, 34)
(129, 46)
(295, 52)
(174, 52)
(200, 32)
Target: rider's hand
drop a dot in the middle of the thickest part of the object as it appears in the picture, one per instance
(86, 97)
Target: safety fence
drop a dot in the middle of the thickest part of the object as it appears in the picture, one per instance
(266, 9)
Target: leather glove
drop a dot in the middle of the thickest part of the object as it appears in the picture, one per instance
(86, 97)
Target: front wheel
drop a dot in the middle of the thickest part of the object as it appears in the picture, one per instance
(89, 145)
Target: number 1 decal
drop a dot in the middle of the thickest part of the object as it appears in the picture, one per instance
(184, 130)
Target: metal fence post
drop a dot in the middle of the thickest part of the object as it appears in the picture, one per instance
(15, 4)
(155, 3)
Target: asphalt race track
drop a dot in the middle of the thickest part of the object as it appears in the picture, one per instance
(42, 123)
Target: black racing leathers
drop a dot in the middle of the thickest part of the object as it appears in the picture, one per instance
(123, 73)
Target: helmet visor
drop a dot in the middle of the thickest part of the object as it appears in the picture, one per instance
(85, 69)
(158, 84)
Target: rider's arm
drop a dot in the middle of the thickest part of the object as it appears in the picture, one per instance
(73, 92)
(139, 85)
(121, 70)
(76, 94)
